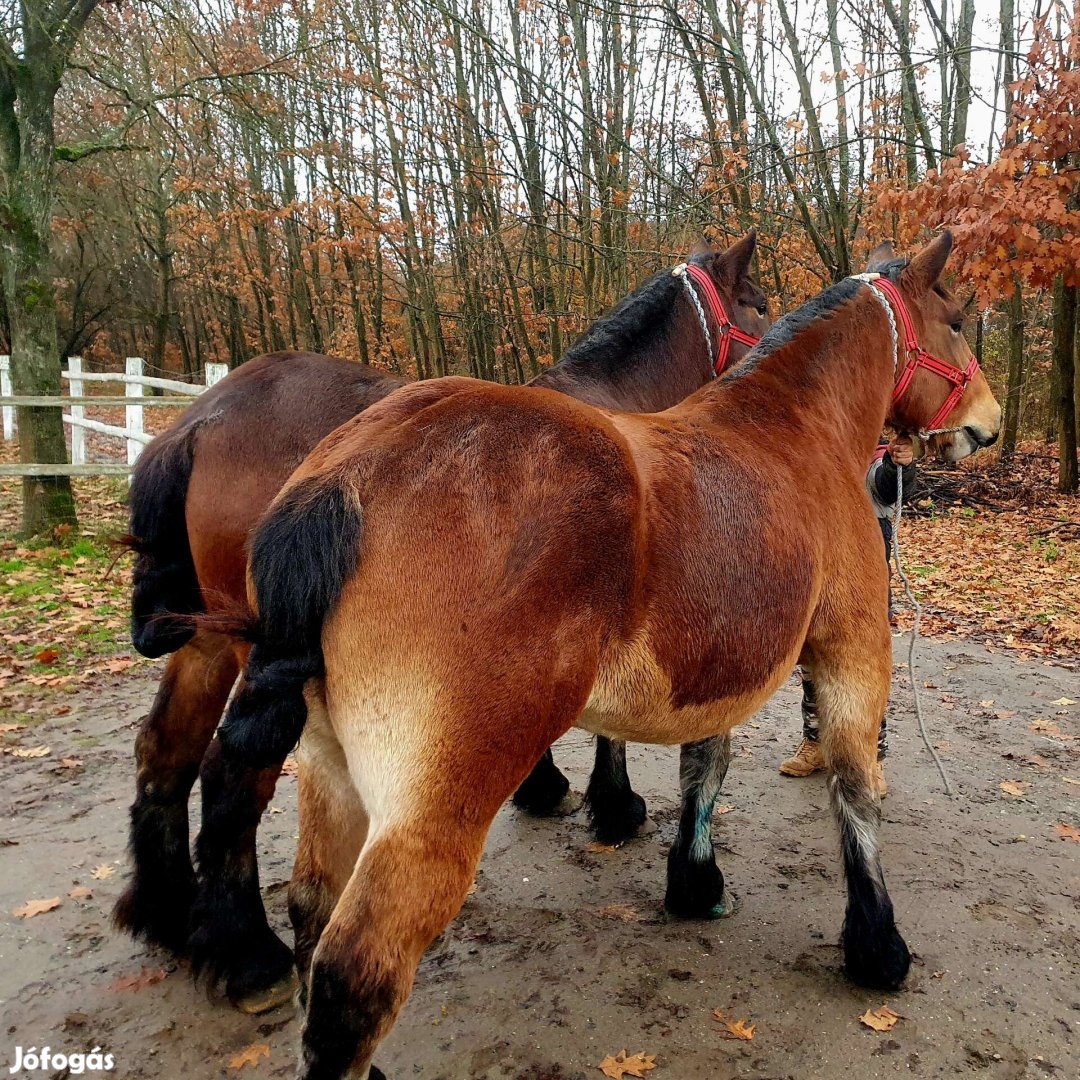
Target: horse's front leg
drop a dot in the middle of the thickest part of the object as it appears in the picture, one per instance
(543, 791)
(851, 674)
(695, 885)
(617, 811)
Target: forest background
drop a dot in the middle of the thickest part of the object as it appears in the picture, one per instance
(460, 186)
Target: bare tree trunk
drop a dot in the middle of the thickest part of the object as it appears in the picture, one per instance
(27, 153)
(1015, 387)
(1064, 402)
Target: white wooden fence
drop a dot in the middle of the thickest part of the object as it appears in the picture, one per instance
(133, 433)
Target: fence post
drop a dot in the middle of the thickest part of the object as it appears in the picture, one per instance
(133, 414)
(215, 373)
(5, 391)
(78, 433)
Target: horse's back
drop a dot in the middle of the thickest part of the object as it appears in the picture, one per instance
(251, 430)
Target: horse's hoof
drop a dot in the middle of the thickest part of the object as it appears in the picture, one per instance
(729, 905)
(646, 828)
(272, 997)
(571, 803)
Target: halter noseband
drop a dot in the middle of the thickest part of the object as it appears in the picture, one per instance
(728, 331)
(918, 357)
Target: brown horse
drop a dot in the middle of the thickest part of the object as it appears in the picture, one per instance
(198, 491)
(473, 569)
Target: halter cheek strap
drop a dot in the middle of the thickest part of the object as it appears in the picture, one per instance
(917, 357)
(727, 330)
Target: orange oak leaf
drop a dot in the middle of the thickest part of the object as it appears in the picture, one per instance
(622, 912)
(36, 907)
(734, 1029)
(1016, 788)
(146, 977)
(1067, 832)
(620, 1065)
(883, 1019)
(80, 892)
(250, 1055)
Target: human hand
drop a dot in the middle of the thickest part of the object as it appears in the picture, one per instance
(902, 450)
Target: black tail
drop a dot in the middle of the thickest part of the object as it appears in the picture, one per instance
(164, 580)
(302, 553)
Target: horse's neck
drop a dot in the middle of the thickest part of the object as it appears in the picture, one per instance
(833, 379)
(642, 380)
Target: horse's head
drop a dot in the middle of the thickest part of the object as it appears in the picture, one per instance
(744, 302)
(939, 383)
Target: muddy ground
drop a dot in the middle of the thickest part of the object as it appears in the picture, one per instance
(562, 954)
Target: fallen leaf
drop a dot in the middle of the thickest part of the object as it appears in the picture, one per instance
(723, 809)
(1063, 701)
(290, 767)
(986, 704)
(30, 751)
(622, 912)
(114, 667)
(100, 873)
(146, 977)
(6, 729)
(734, 1029)
(937, 974)
(1005, 714)
(620, 1065)
(597, 848)
(1016, 788)
(883, 1019)
(1067, 832)
(47, 656)
(1037, 760)
(249, 1055)
(1070, 780)
(80, 892)
(36, 907)
(71, 763)
(1045, 727)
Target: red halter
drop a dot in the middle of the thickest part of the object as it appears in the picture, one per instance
(728, 332)
(918, 357)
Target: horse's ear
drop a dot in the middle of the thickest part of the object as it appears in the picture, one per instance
(880, 256)
(733, 265)
(923, 272)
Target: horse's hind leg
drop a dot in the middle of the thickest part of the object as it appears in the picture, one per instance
(695, 885)
(852, 682)
(230, 938)
(170, 744)
(616, 810)
(333, 826)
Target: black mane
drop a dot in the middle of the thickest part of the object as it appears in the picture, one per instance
(628, 331)
(824, 305)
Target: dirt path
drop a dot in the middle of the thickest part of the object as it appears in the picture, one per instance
(540, 976)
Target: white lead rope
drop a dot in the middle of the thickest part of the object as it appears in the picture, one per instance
(908, 591)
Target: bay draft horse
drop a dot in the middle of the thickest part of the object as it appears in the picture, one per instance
(652, 578)
(198, 491)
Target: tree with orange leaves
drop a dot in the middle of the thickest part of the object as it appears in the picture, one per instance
(1017, 218)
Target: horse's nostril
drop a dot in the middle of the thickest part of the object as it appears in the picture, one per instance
(979, 438)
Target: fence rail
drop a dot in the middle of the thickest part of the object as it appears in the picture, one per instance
(133, 432)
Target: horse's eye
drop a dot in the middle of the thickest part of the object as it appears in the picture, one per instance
(958, 326)
(763, 310)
